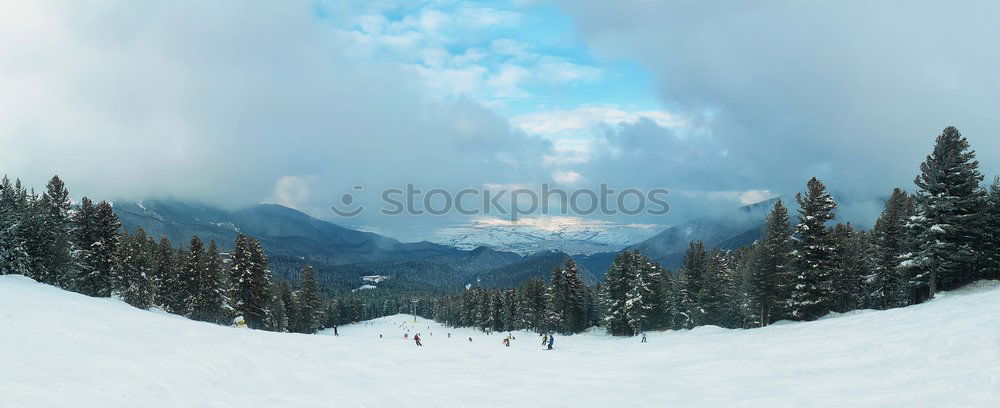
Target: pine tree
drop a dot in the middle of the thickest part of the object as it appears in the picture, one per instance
(209, 298)
(96, 242)
(990, 248)
(887, 241)
(308, 302)
(189, 273)
(694, 267)
(770, 273)
(14, 257)
(852, 260)
(567, 299)
(717, 295)
(615, 294)
(250, 281)
(58, 259)
(532, 305)
(643, 296)
(171, 291)
(133, 267)
(812, 289)
(948, 224)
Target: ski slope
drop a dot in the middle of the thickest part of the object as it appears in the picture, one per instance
(60, 349)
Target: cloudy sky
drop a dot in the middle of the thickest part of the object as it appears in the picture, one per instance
(296, 102)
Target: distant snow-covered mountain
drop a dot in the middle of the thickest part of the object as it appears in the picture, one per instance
(572, 235)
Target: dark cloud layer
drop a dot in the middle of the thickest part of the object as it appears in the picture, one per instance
(853, 92)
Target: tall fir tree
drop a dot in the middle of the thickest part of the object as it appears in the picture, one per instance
(716, 298)
(990, 248)
(643, 297)
(852, 260)
(209, 297)
(14, 256)
(308, 301)
(59, 259)
(948, 223)
(250, 281)
(694, 268)
(888, 237)
(812, 287)
(615, 294)
(770, 273)
(133, 267)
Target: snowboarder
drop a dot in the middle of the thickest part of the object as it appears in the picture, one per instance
(416, 338)
(643, 337)
(552, 338)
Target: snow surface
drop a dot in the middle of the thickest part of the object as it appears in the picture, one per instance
(60, 349)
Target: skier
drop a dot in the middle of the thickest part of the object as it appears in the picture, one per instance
(406, 336)
(470, 339)
(380, 335)
(545, 340)
(416, 338)
(505, 342)
(552, 338)
(449, 335)
(335, 331)
(643, 337)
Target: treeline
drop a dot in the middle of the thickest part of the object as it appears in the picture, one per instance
(81, 248)
(944, 235)
(566, 305)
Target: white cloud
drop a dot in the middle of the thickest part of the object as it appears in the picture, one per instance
(291, 191)
(567, 177)
(563, 121)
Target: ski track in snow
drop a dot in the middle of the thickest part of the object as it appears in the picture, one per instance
(60, 349)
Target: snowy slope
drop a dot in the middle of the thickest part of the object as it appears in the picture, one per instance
(59, 349)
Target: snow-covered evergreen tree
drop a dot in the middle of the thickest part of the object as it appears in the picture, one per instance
(14, 257)
(853, 261)
(694, 267)
(171, 290)
(887, 239)
(990, 248)
(948, 223)
(642, 300)
(812, 288)
(250, 281)
(615, 294)
(96, 241)
(58, 259)
(308, 302)
(717, 297)
(209, 295)
(133, 267)
(770, 273)
(567, 299)
(533, 304)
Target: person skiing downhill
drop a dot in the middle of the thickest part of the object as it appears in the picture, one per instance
(416, 338)
(643, 337)
(545, 340)
(552, 338)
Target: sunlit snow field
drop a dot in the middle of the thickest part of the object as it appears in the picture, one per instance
(60, 349)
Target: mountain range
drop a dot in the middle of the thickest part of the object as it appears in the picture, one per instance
(343, 256)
